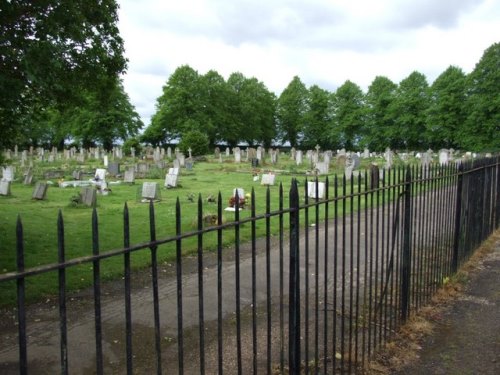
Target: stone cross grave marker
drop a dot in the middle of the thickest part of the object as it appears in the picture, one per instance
(190, 152)
(40, 191)
(5, 187)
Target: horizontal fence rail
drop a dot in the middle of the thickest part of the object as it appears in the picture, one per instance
(329, 283)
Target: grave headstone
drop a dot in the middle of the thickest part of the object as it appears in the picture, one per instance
(114, 168)
(129, 176)
(28, 177)
(216, 152)
(177, 163)
(388, 155)
(228, 152)
(425, 159)
(322, 168)
(150, 191)
(169, 152)
(171, 178)
(274, 156)
(40, 191)
(189, 164)
(88, 196)
(5, 187)
(268, 179)
(374, 176)
(241, 192)
(311, 190)
(237, 155)
(366, 153)
(293, 153)
(132, 152)
(298, 157)
(105, 160)
(100, 174)
(8, 173)
(182, 159)
(444, 157)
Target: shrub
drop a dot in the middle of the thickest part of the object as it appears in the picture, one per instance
(196, 140)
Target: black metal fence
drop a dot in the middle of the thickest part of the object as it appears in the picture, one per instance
(341, 274)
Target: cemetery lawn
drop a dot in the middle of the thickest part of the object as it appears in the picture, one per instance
(39, 220)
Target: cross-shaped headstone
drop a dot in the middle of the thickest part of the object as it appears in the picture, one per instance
(189, 150)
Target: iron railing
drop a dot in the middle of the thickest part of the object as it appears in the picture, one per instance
(321, 295)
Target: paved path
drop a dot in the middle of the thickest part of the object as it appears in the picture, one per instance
(467, 338)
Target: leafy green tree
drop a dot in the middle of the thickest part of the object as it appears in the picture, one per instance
(379, 122)
(481, 129)
(132, 142)
(349, 115)
(446, 112)
(104, 120)
(291, 111)
(51, 51)
(318, 118)
(409, 110)
(181, 100)
(196, 140)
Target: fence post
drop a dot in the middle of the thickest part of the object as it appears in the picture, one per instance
(406, 258)
(458, 218)
(294, 295)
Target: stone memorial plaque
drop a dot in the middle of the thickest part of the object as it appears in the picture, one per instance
(267, 179)
(40, 191)
(311, 190)
(149, 190)
(241, 192)
(88, 196)
(5, 187)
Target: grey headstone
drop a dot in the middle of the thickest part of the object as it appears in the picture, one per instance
(129, 176)
(28, 177)
(88, 196)
(149, 190)
(40, 191)
(268, 179)
(114, 169)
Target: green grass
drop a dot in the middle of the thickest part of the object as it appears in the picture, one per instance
(39, 219)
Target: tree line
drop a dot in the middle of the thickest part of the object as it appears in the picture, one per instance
(457, 110)
(61, 63)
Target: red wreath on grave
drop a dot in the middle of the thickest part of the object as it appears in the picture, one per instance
(232, 202)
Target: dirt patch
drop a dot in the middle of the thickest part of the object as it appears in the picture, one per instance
(459, 332)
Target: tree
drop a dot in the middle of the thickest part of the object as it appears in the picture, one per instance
(446, 112)
(291, 110)
(379, 122)
(50, 52)
(481, 129)
(348, 115)
(318, 118)
(196, 141)
(409, 110)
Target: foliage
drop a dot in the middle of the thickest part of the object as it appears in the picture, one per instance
(482, 127)
(132, 142)
(52, 51)
(291, 111)
(196, 140)
(318, 118)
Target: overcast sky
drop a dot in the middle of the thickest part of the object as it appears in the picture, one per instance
(324, 42)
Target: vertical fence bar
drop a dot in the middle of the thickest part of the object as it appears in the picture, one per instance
(306, 276)
(358, 268)
(154, 279)
(62, 294)
(237, 281)
(201, 309)
(351, 272)
(325, 281)
(368, 282)
(220, 358)
(335, 270)
(97, 293)
(294, 283)
(128, 303)
(178, 268)
(282, 320)
(316, 278)
(342, 323)
(268, 278)
(254, 287)
(406, 256)
(21, 311)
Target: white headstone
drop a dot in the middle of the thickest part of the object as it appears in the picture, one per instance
(267, 179)
(8, 173)
(100, 174)
(149, 190)
(298, 157)
(237, 155)
(241, 192)
(4, 187)
(444, 157)
(311, 190)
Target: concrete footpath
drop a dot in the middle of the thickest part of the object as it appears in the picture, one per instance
(466, 337)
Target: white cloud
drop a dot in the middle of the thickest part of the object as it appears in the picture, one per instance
(324, 42)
